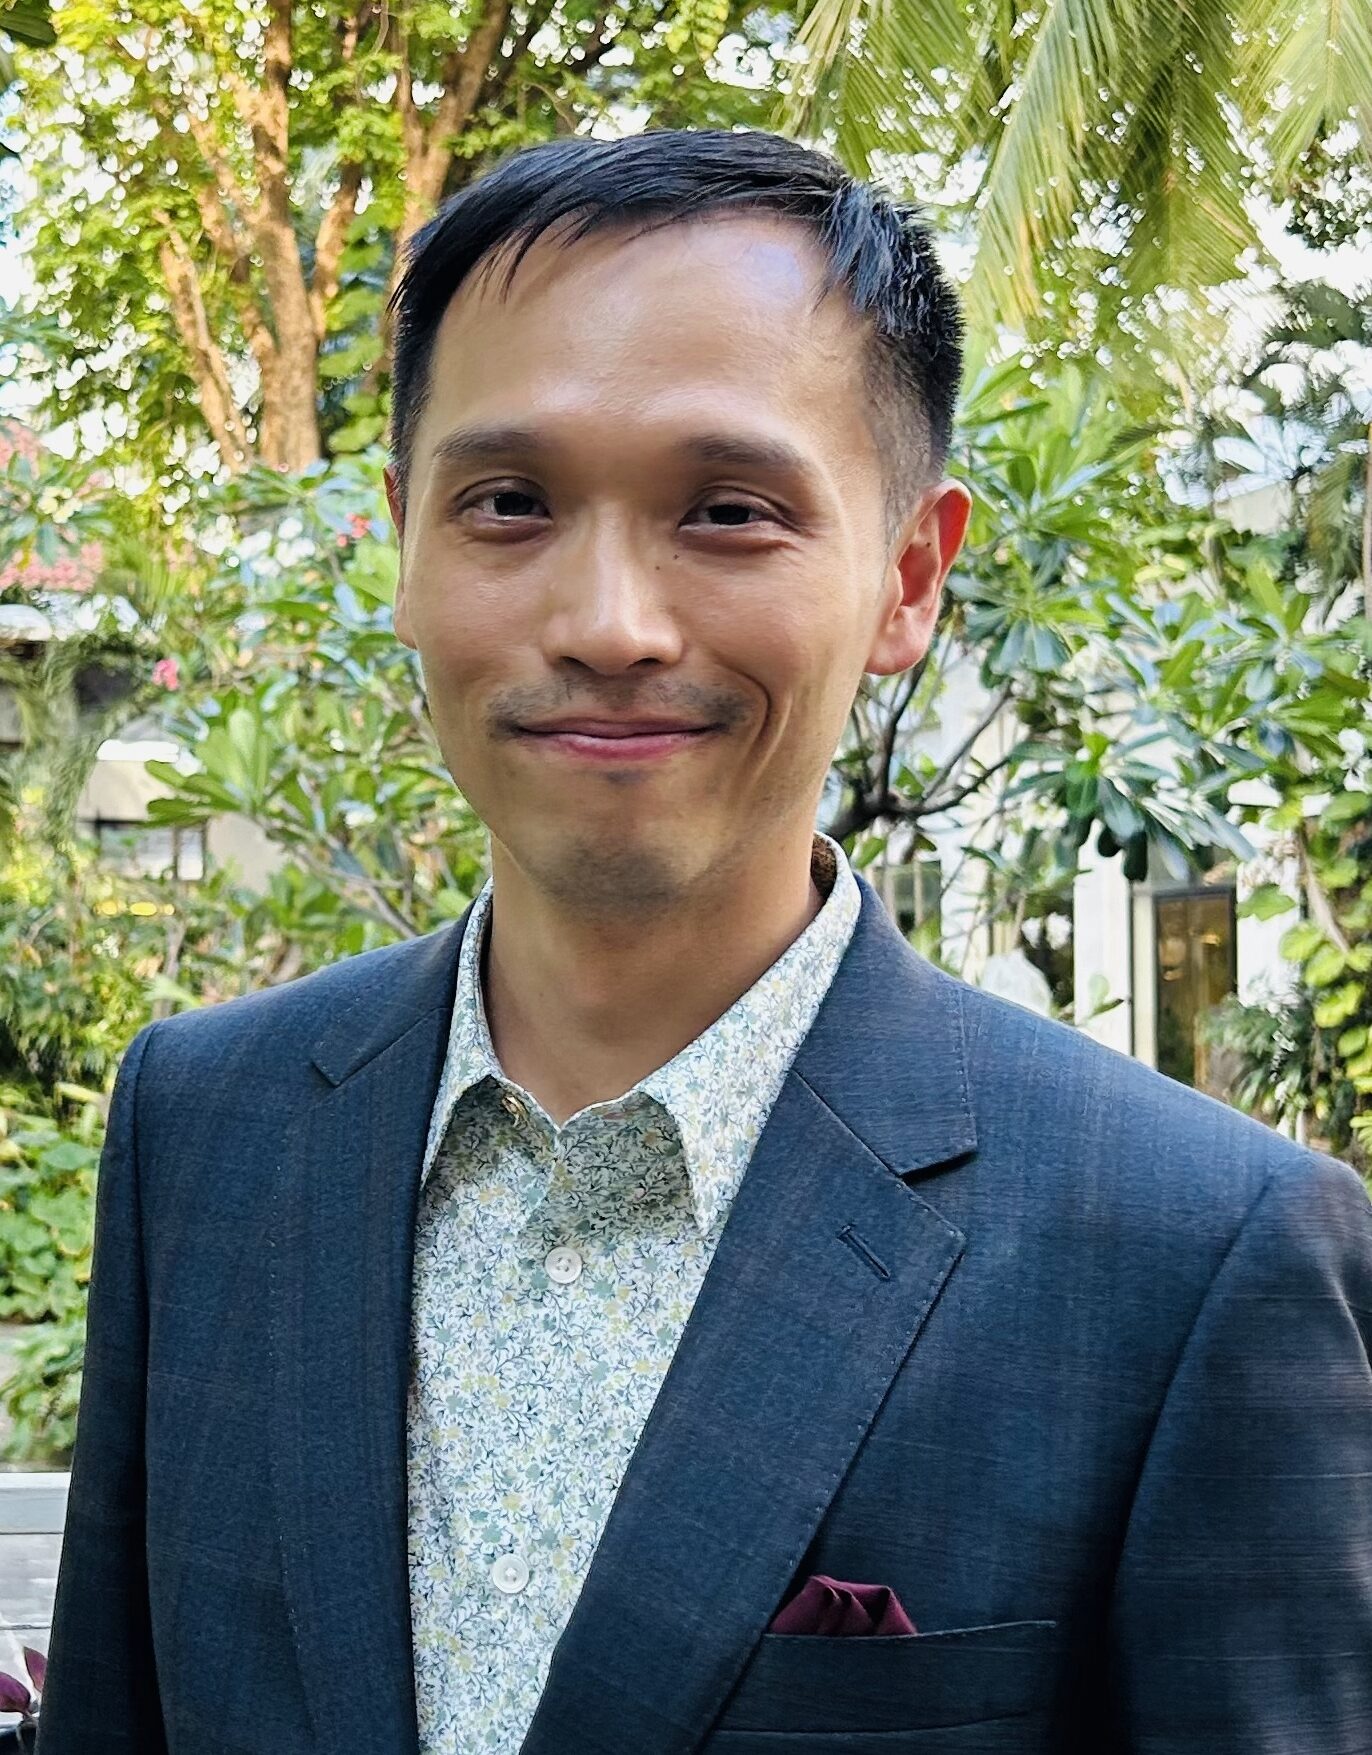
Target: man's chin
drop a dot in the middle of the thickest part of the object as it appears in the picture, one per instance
(592, 865)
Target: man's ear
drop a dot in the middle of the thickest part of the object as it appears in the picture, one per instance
(400, 615)
(923, 555)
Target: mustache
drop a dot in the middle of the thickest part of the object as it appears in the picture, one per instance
(519, 707)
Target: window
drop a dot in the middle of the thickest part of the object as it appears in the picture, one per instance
(151, 850)
(11, 723)
(1195, 967)
(914, 895)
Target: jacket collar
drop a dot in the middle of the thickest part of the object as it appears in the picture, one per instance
(883, 990)
(745, 1052)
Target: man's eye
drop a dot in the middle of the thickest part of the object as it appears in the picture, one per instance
(730, 514)
(508, 503)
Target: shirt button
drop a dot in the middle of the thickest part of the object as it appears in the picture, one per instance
(563, 1265)
(512, 1106)
(510, 1573)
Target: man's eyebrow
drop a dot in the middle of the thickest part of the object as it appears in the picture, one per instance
(745, 452)
(478, 444)
(468, 445)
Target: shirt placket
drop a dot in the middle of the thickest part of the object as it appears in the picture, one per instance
(550, 1262)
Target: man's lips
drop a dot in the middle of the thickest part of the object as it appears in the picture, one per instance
(615, 741)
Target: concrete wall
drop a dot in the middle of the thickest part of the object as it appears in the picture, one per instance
(120, 787)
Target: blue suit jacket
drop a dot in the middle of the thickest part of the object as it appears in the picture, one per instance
(1074, 1359)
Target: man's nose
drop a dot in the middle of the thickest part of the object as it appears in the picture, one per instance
(610, 605)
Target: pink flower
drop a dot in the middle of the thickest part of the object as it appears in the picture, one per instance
(359, 526)
(165, 673)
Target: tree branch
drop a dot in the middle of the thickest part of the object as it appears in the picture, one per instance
(333, 230)
(256, 329)
(929, 807)
(597, 43)
(232, 194)
(1321, 910)
(328, 250)
(411, 125)
(214, 203)
(964, 749)
(536, 14)
(464, 74)
(381, 910)
(206, 360)
(874, 803)
(891, 729)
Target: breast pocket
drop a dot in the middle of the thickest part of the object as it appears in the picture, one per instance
(984, 1681)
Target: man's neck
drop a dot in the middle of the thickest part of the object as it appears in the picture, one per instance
(579, 1012)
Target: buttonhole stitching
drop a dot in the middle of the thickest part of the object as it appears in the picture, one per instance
(849, 1236)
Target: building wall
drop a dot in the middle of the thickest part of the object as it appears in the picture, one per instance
(120, 787)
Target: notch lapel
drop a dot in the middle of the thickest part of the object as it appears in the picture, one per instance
(825, 1273)
(342, 1245)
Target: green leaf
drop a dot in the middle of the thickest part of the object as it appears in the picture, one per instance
(1265, 903)
(1337, 1007)
(28, 22)
(872, 848)
(1264, 588)
(1346, 807)
(1121, 816)
(1326, 965)
(1298, 941)
(68, 1155)
(1340, 874)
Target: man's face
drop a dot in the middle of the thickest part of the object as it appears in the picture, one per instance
(645, 487)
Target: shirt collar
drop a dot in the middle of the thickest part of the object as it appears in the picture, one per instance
(720, 1088)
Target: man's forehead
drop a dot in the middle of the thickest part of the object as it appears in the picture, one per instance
(718, 325)
(764, 264)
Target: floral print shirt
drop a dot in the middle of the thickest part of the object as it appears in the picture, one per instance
(554, 1270)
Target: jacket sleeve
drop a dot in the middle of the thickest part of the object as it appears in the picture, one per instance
(100, 1696)
(1242, 1612)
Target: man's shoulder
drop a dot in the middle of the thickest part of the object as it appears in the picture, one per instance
(1090, 1115)
(287, 1020)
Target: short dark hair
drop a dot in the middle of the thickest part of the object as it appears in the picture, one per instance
(876, 248)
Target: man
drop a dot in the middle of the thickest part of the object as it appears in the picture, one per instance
(659, 1312)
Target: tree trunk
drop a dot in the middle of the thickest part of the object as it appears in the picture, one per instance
(297, 346)
(429, 151)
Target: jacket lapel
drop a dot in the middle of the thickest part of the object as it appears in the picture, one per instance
(764, 1407)
(341, 1242)
(824, 1275)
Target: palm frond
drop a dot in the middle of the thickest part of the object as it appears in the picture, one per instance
(1307, 65)
(1081, 49)
(1180, 160)
(1114, 126)
(28, 22)
(883, 76)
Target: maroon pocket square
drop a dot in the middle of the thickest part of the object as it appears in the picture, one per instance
(833, 1606)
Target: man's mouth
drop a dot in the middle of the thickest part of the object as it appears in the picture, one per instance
(617, 741)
